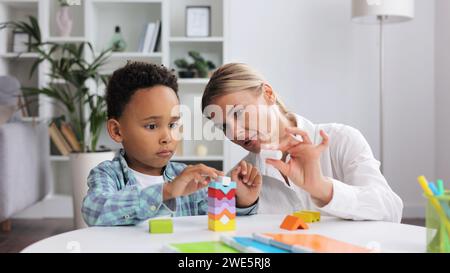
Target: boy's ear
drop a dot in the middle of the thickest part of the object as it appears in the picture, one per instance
(269, 94)
(114, 131)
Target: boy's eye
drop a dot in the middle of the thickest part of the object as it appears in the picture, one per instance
(151, 126)
(173, 125)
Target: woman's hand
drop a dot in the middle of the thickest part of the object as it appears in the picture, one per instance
(191, 179)
(248, 184)
(303, 168)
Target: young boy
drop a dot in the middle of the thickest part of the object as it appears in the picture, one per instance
(140, 182)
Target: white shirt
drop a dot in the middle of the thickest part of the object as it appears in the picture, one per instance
(145, 180)
(360, 191)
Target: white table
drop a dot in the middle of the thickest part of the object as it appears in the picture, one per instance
(384, 236)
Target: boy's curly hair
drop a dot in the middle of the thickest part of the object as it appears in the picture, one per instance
(133, 76)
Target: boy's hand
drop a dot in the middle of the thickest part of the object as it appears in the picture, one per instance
(248, 183)
(192, 179)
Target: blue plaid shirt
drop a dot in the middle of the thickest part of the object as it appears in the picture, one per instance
(115, 197)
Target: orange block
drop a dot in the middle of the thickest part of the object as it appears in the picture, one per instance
(302, 224)
(291, 222)
(224, 212)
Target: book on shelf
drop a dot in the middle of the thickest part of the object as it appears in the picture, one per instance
(30, 105)
(156, 37)
(54, 151)
(70, 136)
(150, 37)
(58, 140)
(147, 37)
(142, 39)
(22, 105)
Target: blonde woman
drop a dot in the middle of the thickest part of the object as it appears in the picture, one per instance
(325, 167)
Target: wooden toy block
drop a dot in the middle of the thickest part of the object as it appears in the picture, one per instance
(291, 222)
(220, 195)
(306, 217)
(225, 180)
(225, 188)
(218, 216)
(160, 226)
(302, 224)
(218, 225)
(214, 202)
(316, 214)
(271, 154)
(219, 209)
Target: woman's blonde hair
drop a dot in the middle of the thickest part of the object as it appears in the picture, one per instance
(234, 77)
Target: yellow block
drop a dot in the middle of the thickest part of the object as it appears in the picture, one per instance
(216, 225)
(306, 217)
(315, 214)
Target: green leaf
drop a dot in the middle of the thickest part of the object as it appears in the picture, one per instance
(36, 28)
(35, 66)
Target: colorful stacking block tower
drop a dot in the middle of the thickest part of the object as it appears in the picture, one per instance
(222, 204)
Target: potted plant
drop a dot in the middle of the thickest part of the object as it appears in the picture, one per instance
(78, 95)
(186, 70)
(199, 67)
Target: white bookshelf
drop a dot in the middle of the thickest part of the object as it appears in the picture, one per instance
(196, 40)
(59, 158)
(131, 55)
(18, 7)
(26, 55)
(184, 82)
(31, 119)
(63, 40)
(94, 21)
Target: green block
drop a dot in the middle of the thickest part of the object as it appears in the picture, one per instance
(160, 226)
(203, 247)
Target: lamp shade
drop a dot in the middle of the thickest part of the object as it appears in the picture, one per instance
(393, 11)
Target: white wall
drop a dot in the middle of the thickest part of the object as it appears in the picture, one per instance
(326, 69)
(410, 122)
(442, 79)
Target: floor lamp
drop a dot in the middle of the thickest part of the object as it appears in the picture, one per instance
(381, 12)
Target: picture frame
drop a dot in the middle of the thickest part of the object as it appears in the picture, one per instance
(198, 21)
(21, 42)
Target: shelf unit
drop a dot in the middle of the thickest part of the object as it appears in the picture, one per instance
(56, 158)
(184, 82)
(63, 40)
(94, 21)
(196, 40)
(25, 55)
(14, 63)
